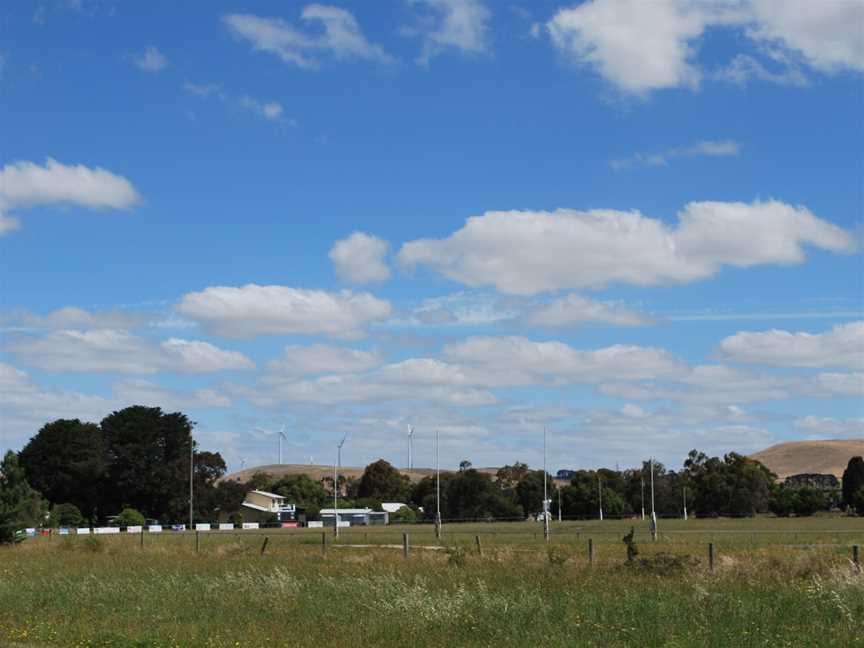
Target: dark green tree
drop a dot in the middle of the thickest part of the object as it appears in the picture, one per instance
(473, 495)
(20, 505)
(304, 492)
(809, 501)
(734, 486)
(148, 462)
(382, 482)
(853, 480)
(66, 462)
(529, 491)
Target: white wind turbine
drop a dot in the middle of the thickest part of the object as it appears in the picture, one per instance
(282, 437)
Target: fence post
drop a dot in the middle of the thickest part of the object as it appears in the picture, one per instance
(324, 542)
(479, 546)
(264, 546)
(405, 544)
(856, 557)
(711, 556)
(197, 542)
(142, 538)
(590, 551)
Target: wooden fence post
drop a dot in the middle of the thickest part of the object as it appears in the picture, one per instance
(197, 542)
(324, 542)
(479, 546)
(711, 556)
(405, 544)
(264, 545)
(142, 538)
(590, 551)
(856, 557)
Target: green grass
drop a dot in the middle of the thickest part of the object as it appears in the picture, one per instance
(767, 589)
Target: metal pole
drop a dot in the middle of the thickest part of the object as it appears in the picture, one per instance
(437, 490)
(685, 502)
(545, 498)
(410, 448)
(653, 511)
(335, 499)
(642, 480)
(600, 494)
(191, 475)
(559, 503)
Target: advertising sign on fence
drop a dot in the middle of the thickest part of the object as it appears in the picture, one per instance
(202, 526)
(225, 526)
(250, 525)
(63, 530)
(106, 530)
(178, 527)
(155, 528)
(133, 529)
(30, 532)
(83, 530)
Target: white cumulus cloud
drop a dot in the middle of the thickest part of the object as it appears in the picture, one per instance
(637, 45)
(341, 38)
(323, 359)
(640, 46)
(574, 309)
(250, 310)
(528, 252)
(842, 346)
(360, 259)
(112, 350)
(26, 184)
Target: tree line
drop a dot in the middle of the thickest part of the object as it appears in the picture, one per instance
(136, 464)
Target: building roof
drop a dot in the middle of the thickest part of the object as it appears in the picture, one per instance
(347, 511)
(392, 507)
(266, 494)
(255, 506)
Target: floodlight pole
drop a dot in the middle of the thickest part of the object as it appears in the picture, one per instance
(642, 480)
(545, 498)
(559, 502)
(653, 510)
(191, 476)
(685, 502)
(410, 448)
(437, 490)
(336, 486)
(600, 494)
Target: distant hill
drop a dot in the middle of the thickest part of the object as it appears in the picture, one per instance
(318, 471)
(796, 457)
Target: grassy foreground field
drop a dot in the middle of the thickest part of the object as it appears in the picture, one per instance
(768, 588)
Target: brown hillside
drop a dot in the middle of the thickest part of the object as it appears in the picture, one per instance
(796, 457)
(318, 471)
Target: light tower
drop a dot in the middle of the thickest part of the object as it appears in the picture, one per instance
(336, 468)
(410, 448)
(545, 497)
(437, 491)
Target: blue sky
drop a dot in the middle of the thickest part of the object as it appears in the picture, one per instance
(638, 224)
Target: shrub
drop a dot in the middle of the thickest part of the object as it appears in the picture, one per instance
(129, 517)
(404, 515)
(65, 515)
